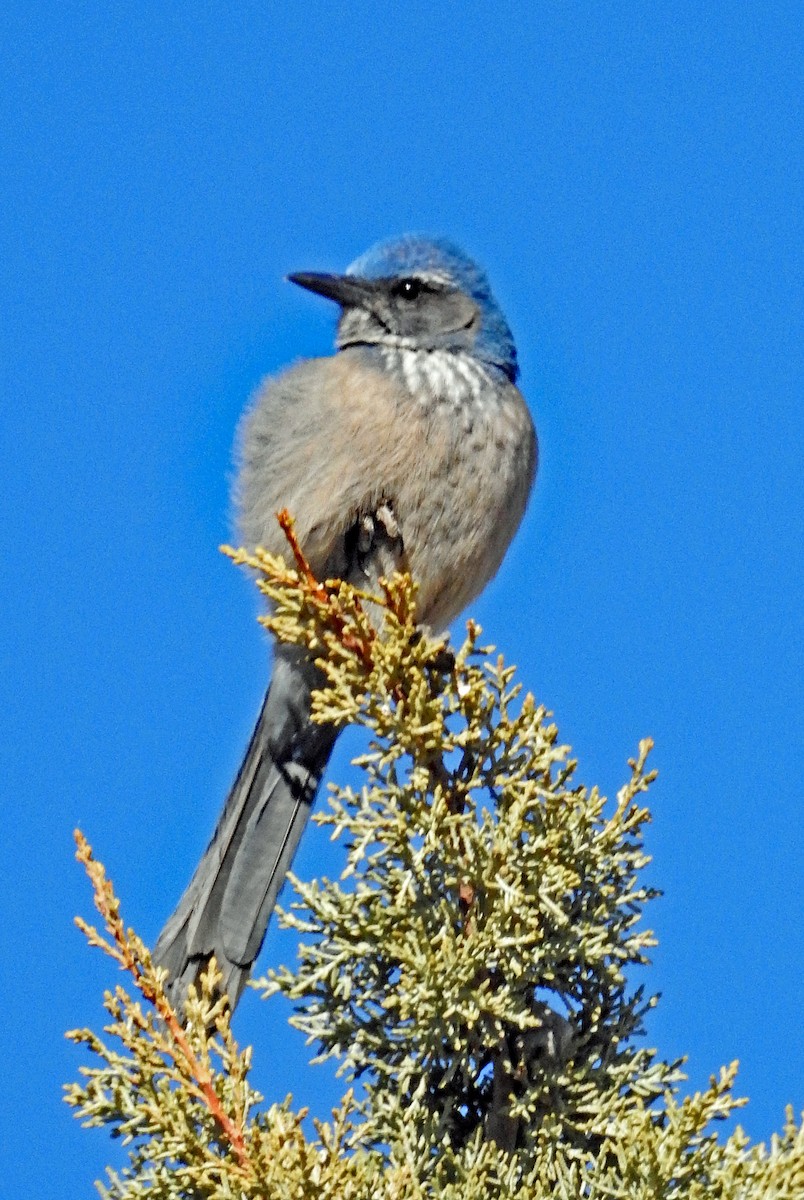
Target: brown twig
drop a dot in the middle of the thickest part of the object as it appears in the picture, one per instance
(108, 907)
(362, 646)
(288, 527)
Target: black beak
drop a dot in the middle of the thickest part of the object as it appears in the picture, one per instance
(343, 289)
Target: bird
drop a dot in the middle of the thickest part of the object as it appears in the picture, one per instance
(411, 445)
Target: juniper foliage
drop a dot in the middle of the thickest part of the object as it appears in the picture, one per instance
(471, 967)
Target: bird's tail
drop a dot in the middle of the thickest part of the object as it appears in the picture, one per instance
(227, 905)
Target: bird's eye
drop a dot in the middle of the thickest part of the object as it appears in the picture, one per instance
(408, 289)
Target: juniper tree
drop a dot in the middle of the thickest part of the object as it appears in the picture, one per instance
(471, 967)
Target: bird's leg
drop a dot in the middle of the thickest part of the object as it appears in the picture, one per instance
(365, 535)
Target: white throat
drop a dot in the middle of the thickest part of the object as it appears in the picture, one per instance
(444, 376)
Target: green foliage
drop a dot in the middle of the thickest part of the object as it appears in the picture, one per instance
(471, 967)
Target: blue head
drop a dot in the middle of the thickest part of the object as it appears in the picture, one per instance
(419, 293)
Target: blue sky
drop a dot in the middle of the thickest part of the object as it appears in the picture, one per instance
(631, 177)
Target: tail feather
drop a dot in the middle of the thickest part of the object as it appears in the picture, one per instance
(227, 905)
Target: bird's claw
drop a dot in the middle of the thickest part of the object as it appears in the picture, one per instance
(387, 518)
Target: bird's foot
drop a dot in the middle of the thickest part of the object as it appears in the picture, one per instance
(378, 543)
